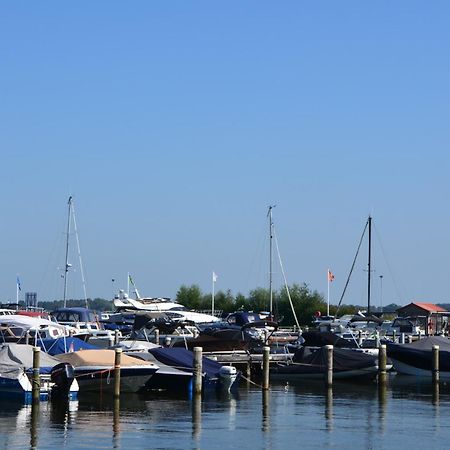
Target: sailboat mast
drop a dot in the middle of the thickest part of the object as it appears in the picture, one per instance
(270, 260)
(67, 265)
(369, 265)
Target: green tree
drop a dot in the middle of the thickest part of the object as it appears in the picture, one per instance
(258, 299)
(190, 296)
(305, 303)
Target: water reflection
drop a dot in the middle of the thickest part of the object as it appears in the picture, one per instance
(116, 423)
(197, 418)
(34, 425)
(266, 410)
(329, 409)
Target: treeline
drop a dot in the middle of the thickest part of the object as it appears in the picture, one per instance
(305, 302)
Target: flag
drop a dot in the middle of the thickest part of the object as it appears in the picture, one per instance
(18, 284)
(330, 275)
(131, 279)
(214, 277)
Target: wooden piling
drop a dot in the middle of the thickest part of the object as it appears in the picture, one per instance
(118, 357)
(36, 381)
(116, 337)
(266, 362)
(382, 358)
(197, 375)
(435, 364)
(329, 366)
(157, 336)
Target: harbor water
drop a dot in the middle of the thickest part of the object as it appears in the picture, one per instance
(407, 413)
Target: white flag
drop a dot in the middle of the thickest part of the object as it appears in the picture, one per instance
(214, 277)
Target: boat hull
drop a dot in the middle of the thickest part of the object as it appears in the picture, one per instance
(407, 369)
(101, 379)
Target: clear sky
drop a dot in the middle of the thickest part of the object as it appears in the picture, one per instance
(175, 125)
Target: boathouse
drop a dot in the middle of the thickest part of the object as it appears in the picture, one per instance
(432, 318)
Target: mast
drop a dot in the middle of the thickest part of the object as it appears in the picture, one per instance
(269, 214)
(369, 221)
(67, 265)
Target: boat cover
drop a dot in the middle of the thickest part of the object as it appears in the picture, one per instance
(101, 357)
(343, 359)
(15, 358)
(183, 359)
(321, 338)
(64, 345)
(420, 353)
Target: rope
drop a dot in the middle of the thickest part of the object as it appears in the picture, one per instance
(93, 373)
(353, 266)
(250, 381)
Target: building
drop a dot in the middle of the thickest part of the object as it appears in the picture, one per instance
(432, 318)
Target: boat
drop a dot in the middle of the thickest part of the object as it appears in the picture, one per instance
(174, 310)
(85, 325)
(122, 301)
(310, 363)
(94, 370)
(416, 358)
(57, 379)
(24, 329)
(214, 375)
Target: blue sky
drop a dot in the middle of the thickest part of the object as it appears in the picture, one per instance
(175, 125)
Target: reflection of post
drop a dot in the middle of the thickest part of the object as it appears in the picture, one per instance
(329, 408)
(197, 416)
(34, 425)
(436, 394)
(116, 421)
(265, 410)
(382, 402)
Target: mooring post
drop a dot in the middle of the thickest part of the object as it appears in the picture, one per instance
(382, 357)
(198, 355)
(435, 364)
(393, 336)
(329, 366)
(116, 337)
(118, 357)
(36, 381)
(157, 336)
(266, 362)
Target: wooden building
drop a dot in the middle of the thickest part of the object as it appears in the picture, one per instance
(431, 317)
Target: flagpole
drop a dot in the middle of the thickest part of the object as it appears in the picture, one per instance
(128, 284)
(212, 298)
(328, 293)
(17, 290)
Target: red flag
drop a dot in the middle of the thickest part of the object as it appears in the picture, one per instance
(330, 275)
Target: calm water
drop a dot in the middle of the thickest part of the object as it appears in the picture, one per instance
(305, 415)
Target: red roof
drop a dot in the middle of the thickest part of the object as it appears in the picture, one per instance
(431, 307)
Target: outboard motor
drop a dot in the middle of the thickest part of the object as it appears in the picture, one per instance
(62, 375)
(228, 375)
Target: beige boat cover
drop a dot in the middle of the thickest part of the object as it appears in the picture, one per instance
(99, 358)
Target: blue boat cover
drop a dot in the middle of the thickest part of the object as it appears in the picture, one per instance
(64, 345)
(183, 359)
